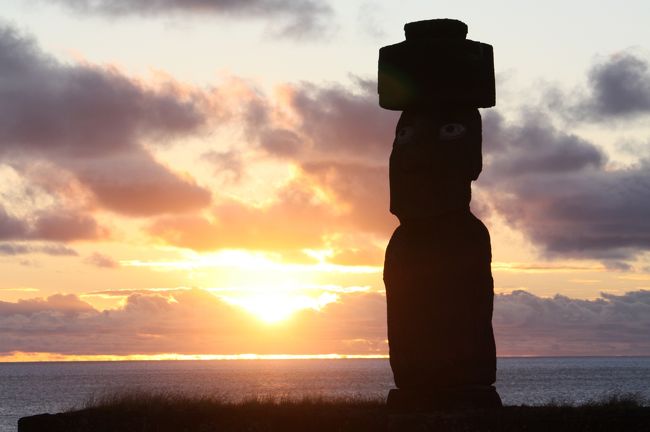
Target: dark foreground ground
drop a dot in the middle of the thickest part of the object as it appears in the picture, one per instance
(161, 413)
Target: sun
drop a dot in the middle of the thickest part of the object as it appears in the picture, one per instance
(275, 307)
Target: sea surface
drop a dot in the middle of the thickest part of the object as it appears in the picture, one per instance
(34, 388)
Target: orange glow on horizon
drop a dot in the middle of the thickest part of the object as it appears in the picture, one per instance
(22, 357)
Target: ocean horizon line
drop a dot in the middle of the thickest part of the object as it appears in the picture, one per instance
(57, 358)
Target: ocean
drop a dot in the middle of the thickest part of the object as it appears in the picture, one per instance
(34, 388)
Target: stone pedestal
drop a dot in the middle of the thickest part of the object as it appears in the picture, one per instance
(443, 399)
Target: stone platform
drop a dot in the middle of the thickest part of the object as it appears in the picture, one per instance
(445, 399)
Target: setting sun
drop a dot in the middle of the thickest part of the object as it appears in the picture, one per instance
(278, 306)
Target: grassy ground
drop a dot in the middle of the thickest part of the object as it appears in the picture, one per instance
(163, 412)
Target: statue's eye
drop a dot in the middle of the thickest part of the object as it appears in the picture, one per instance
(452, 131)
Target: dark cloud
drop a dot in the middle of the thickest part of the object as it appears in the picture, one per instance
(102, 261)
(561, 326)
(342, 122)
(65, 225)
(137, 185)
(534, 146)
(330, 120)
(146, 323)
(58, 250)
(290, 18)
(88, 122)
(47, 107)
(620, 87)
(281, 142)
(556, 188)
(14, 249)
(196, 322)
(11, 227)
(48, 249)
(69, 305)
(228, 164)
(617, 88)
(59, 225)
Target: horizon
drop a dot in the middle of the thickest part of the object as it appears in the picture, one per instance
(269, 357)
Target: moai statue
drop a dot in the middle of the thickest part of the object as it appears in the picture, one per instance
(439, 286)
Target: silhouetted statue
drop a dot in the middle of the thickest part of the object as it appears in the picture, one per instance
(437, 273)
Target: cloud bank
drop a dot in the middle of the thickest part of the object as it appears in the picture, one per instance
(613, 324)
(558, 190)
(76, 133)
(553, 185)
(338, 141)
(197, 322)
(83, 125)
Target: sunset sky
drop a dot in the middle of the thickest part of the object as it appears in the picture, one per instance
(210, 177)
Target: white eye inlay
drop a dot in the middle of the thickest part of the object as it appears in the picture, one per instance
(404, 135)
(452, 131)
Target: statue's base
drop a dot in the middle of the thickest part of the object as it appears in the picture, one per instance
(443, 399)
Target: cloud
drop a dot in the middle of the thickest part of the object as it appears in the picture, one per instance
(338, 140)
(65, 225)
(360, 191)
(187, 321)
(620, 87)
(48, 249)
(228, 164)
(295, 220)
(355, 324)
(69, 305)
(617, 88)
(58, 225)
(555, 186)
(47, 107)
(11, 227)
(102, 261)
(137, 185)
(533, 146)
(557, 189)
(193, 321)
(342, 207)
(288, 18)
(87, 124)
(326, 121)
(561, 326)
(551, 184)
